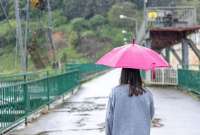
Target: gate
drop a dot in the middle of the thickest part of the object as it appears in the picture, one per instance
(167, 76)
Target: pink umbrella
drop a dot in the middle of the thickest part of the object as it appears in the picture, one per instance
(133, 56)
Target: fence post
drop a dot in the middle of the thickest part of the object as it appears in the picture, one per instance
(26, 99)
(48, 91)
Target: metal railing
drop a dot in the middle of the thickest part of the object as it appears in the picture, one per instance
(18, 101)
(11, 79)
(185, 78)
(167, 76)
(171, 16)
(189, 80)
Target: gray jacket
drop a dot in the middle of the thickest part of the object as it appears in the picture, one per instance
(129, 115)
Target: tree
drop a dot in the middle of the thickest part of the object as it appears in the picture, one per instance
(78, 24)
(97, 21)
(126, 8)
(85, 8)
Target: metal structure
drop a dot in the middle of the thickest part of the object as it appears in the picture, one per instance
(166, 25)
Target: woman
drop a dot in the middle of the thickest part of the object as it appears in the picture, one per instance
(130, 107)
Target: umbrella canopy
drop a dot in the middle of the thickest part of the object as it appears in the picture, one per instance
(133, 56)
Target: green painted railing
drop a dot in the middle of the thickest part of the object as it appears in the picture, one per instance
(86, 69)
(189, 79)
(11, 79)
(17, 101)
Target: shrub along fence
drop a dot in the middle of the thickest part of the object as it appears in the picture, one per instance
(18, 101)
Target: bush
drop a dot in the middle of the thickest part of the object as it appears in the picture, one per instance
(97, 21)
(58, 19)
(125, 8)
(88, 33)
(113, 33)
(73, 39)
(79, 24)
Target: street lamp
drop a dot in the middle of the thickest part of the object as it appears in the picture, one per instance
(125, 39)
(132, 19)
(124, 32)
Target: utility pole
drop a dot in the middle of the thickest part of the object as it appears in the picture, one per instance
(19, 38)
(144, 13)
(50, 34)
(26, 33)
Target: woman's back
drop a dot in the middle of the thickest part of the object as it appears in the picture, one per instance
(129, 115)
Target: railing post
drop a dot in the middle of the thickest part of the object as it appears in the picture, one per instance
(26, 99)
(48, 91)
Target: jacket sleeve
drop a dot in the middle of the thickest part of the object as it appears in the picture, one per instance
(109, 115)
(152, 108)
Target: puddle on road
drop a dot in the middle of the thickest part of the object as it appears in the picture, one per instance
(83, 107)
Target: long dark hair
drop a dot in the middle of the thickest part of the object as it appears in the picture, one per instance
(133, 79)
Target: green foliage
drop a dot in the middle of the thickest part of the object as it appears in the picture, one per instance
(97, 21)
(128, 9)
(69, 55)
(8, 60)
(78, 20)
(85, 8)
(5, 27)
(88, 33)
(58, 19)
(79, 24)
(112, 33)
(73, 39)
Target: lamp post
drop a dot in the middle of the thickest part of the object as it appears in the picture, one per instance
(132, 19)
(144, 12)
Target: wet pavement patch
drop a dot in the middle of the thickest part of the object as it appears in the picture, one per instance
(83, 114)
(83, 107)
(81, 122)
(48, 132)
(87, 129)
(95, 98)
(102, 126)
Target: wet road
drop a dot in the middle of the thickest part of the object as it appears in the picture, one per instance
(84, 113)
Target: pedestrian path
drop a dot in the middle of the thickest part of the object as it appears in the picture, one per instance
(84, 113)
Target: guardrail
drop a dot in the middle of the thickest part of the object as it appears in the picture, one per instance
(189, 79)
(11, 79)
(167, 76)
(18, 101)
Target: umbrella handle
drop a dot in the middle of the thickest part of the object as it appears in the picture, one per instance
(153, 72)
(133, 41)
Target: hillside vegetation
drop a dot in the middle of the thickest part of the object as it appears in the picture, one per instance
(83, 30)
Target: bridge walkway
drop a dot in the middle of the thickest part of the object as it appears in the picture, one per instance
(177, 113)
